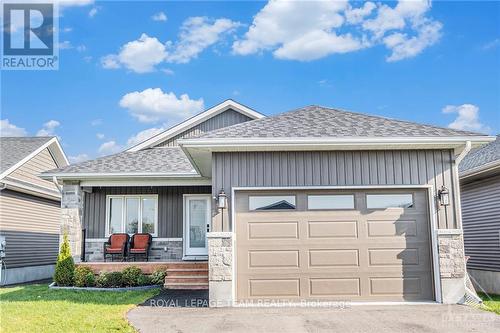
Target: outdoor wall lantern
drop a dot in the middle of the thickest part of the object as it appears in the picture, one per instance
(444, 196)
(222, 204)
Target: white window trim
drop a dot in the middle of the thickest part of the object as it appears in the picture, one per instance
(124, 209)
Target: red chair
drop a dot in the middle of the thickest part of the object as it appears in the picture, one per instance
(116, 246)
(139, 246)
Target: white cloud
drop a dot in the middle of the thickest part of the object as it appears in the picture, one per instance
(71, 3)
(93, 12)
(198, 33)
(66, 45)
(78, 158)
(48, 128)
(160, 16)
(467, 118)
(167, 71)
(144, 54)
(9, 129)
(109, 147)
(357, 15)
(140, 56)
(310, 30)
(153, 105)
(100, 136)
(492, 44)
(144, 135)
(403, 46)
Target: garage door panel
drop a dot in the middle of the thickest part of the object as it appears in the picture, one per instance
(334, 287)
(362, 254)
(273, 258)
(333, 258)
(273, 230)
(274, 288)
(332, 229)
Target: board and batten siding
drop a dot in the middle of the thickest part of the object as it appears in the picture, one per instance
(337, 168)
(224, 119)
(481, 223)
(31, 227)
(170, 207)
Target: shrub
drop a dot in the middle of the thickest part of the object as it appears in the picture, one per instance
(65, 266)
(131, 276)
(144, 280)
(110, 280)
(158, 276)
(84, 277)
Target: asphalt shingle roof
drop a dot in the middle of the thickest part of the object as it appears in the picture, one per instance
(14, 149)
(481, 156)
(318, 122)
(154, 160)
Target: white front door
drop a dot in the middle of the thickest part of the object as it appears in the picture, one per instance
(197, 217)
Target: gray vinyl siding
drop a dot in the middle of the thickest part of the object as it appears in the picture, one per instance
(336, 168)
(31, 227)
(224, 119)
(170, 207)
(481, 223)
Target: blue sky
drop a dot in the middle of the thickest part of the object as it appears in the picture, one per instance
(129, 69)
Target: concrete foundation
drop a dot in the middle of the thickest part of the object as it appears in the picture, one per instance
(26, 274)
(485, 281)
(220, 268)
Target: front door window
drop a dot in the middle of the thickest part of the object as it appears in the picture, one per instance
(197, 218)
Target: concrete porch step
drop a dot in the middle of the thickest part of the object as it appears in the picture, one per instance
(186, 279)
(186, 285)
(187, 271)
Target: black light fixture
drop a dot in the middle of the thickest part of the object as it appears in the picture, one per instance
(222, 204)
(444, 196)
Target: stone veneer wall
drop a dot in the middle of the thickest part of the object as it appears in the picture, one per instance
(161, 250)
(71, 217)
(220, 268)
(451, 265)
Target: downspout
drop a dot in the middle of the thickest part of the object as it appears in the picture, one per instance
(465, 151)
(54, 180)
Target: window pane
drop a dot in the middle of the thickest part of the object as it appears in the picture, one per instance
(330, 201)
(148, 215)
(272, 202)
(115, 215)
(197, 223)
(132, 215)
(389, 201)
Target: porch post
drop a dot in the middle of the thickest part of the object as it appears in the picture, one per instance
(220, 268)
(71, 217)
(451, 265)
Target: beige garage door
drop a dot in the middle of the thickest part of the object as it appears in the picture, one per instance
(348, 245)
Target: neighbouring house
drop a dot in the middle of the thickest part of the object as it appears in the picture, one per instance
(480, 188)
(312, 204)
(30, 210)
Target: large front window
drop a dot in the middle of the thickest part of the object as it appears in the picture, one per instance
(132, 214)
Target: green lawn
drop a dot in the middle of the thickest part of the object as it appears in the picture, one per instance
(491, 303)
(36, 308)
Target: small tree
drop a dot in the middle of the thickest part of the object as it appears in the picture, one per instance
(65, 266)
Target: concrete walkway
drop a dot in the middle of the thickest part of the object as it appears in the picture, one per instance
(358, 318)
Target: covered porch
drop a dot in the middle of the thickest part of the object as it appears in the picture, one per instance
(177, 217)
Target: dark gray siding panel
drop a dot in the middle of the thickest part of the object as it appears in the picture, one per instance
(481, 223)
(224, 119)
(337, 168)
(170, 207)
(30, 248)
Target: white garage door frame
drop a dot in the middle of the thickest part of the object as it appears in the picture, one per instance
(432, 218)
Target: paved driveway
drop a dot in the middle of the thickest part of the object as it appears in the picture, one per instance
(358, 318)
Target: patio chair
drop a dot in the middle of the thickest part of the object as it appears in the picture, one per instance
(116, 246)
(139, 246)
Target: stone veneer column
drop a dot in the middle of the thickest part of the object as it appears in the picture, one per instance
(220, 268)
(71, 217)
(451, 265)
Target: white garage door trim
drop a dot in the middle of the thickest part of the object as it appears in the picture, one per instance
(432, 215)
